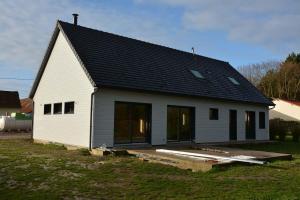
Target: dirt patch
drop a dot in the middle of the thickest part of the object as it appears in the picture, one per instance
(26, 166)
(69, 174)
(12, 184)
(91, 166)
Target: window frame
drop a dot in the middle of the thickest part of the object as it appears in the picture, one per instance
(69, 102)
(262, 116)
(49, 113)
(211, 114)
(61, 109)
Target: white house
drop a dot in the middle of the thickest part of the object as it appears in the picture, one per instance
(286, 110)
(97, 88)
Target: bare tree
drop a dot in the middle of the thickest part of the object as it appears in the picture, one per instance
(255, 72)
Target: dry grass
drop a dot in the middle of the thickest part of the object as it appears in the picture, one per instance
(35, 171)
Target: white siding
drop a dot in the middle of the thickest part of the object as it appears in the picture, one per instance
(63, 80)
(205, 130)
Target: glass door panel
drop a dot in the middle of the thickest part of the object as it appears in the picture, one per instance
(250, 124)
(140, 122)
(122, 122)
(233, 125)
(185, 124)
(172, 123)
(132, 122)
(180, 122)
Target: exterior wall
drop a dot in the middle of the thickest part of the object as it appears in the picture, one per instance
(9, 110)
(205, 130)
(290, 111)
(63, 80)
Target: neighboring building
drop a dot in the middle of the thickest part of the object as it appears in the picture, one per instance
(9, 102)
(26, 106)
(97, 88)
(285, 110)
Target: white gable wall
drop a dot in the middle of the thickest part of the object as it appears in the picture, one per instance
(205, 130)
(63, 80)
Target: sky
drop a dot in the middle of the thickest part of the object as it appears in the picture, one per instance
(241, 32)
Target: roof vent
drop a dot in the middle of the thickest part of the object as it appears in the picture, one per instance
(75, 15)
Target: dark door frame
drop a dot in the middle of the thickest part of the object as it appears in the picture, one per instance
(192, 122)
(149, 130)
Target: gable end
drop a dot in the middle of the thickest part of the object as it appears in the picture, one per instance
(47, 56)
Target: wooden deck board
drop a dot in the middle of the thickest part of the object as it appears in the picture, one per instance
(151, 155)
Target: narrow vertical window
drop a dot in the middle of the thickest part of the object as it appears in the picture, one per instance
(57, 108)
(47, 109)
(262, 120)
(213, 114)
(69, 107)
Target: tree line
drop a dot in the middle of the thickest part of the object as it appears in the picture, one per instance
(276, 79)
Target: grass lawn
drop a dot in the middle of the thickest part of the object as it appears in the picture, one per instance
(35, 171)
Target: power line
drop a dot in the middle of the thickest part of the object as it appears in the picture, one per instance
(17, 79)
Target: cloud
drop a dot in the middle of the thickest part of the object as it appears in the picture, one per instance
(27, 25)
(26, 28)
(272, 24)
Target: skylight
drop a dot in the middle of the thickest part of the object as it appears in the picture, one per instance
(196, 74)
(233, 81)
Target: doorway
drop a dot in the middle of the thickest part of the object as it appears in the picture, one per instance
(232, 125)
(180, 123)
(250, 125)
(132, 123)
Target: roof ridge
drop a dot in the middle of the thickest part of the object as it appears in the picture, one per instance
(146, 42)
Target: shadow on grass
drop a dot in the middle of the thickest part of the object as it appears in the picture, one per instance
(288, 147)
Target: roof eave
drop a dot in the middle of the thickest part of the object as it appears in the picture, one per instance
(186, 95)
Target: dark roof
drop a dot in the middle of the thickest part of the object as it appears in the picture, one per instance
(119, 62)
(9, 99)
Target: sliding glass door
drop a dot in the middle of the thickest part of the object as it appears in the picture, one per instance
(180, 123)
(250, 125)
(132, 123)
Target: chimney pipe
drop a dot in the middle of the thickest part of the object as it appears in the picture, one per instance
(75, 15)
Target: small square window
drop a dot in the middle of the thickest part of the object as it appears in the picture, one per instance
(47, 109)
(262, 120)
(69, 107)
(213, 113)
(57, 108)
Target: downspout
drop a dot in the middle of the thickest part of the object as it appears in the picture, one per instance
(92, 118)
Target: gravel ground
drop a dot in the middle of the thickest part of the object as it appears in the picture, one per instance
(15, 135)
